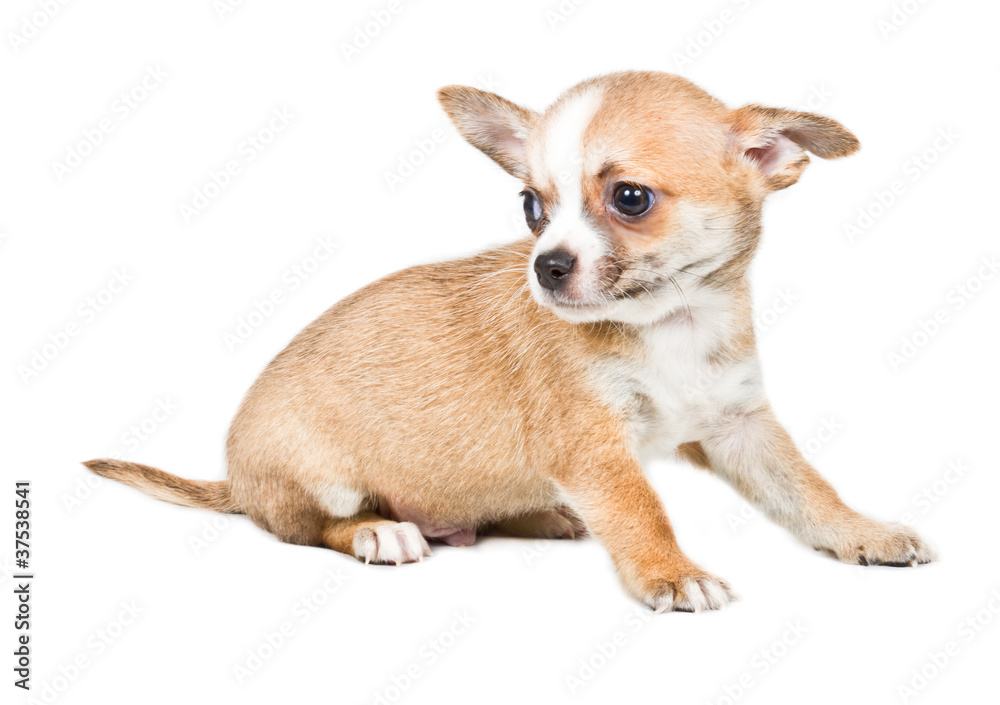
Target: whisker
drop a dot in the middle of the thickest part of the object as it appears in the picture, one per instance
(675, 269)
(687, 309)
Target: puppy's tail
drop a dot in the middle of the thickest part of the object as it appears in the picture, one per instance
(203, 494)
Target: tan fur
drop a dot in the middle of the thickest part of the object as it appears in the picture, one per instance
(202, 494)
(559, 523)
(446, 388)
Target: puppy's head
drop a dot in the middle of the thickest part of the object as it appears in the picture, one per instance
(639, 186)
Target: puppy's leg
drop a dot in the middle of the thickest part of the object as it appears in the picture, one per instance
(624, 513)
(754, 453)
(373, 539)
(559, 523)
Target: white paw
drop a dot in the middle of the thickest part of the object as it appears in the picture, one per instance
(390, 542)
(690, 593)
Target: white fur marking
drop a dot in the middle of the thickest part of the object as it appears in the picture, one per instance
(563, 163)
(341, 501)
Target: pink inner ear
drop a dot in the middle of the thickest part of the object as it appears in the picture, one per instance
(776, 156)
(511, 141)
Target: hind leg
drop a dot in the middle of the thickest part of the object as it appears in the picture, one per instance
(335, 518)
(559, 523)
(374, 539)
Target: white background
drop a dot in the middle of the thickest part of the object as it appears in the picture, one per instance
(539, 608)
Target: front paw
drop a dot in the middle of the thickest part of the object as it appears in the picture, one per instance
(876, 543)
(687, 590)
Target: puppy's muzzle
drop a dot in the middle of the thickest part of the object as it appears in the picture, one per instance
(554, 268)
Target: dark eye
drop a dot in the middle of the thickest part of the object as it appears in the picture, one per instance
(532, 208)
(632, 199)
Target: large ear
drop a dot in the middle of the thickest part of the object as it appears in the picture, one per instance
(492, 124)
(775, 141)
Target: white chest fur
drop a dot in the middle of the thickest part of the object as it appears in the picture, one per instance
(683, 383)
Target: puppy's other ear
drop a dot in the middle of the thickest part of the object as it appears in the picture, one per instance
(774, 141)
(492, 124)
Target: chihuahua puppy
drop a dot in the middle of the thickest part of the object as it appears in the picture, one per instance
(521, 389)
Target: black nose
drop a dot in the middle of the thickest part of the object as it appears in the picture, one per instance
(553, 268)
